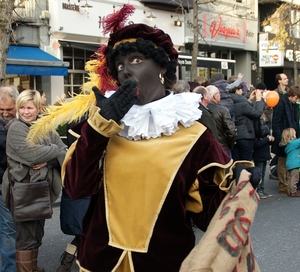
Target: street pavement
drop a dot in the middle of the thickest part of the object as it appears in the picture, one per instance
(275, 234)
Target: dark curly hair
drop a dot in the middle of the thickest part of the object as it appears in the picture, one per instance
(148, 48)
(236, 88)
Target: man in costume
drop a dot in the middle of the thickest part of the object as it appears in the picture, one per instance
(148, 165)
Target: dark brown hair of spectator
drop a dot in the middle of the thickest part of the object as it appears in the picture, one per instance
(236, 88)
(278, 77)
(193, 85)
(294, 90)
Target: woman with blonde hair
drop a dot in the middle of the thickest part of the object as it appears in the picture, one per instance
(292, 149)
(31, 163)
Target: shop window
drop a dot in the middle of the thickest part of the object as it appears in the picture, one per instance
(76, 73)
(23, 82)
(79, 64)
(68, 51)
(77, 79)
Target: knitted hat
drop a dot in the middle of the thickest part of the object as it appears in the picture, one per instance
(216, 76)
(261, 86)
(245, 88)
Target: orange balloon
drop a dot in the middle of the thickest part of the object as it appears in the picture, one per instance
(272, 99)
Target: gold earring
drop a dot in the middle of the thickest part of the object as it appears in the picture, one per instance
(161, 78)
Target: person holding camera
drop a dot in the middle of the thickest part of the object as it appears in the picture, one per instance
(245, 113)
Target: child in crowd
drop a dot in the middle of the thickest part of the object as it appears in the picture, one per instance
(292, 150)
(261, 155)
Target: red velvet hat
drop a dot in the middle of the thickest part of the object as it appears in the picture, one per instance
(132, 32)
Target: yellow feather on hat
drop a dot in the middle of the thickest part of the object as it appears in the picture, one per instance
(54, 116)
(69, 111)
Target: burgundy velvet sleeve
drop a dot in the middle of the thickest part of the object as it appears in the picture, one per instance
(209, 151)
(83, 171)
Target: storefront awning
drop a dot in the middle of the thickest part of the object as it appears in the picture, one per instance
(28, 60)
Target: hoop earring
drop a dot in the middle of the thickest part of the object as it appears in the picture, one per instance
(161, 78)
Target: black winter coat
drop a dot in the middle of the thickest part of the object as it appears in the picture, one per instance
(261, 151)
(208, 120)
(285, 115)
(245, 113)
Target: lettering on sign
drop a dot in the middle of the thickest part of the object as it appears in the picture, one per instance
(184, 62)
(217, 28)
(269, 59)
(269, 54)
(249, 34)
(70, 6)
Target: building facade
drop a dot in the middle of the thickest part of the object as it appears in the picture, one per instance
(71, 31)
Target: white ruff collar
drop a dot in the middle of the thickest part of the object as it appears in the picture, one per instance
(161, 117)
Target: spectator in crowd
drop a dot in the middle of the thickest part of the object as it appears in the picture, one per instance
(203, 81)
(245, 113)
(282, 87)
(181, 86)
(218, 80)
(206, 117)
(43, 100)
(31, 163)
(233, 79)
(282, 83)
(291, 143)
(225, 125)
(20, 88)
(268, 113)
(8, 96)
(261, 155)
(286, 114)
(193, 85)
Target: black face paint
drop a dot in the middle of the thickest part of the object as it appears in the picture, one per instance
(145, 71)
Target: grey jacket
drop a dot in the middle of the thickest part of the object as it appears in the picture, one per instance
(21, 156)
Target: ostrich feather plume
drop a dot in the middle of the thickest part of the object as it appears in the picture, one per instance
(115, 21)
(54, 116)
